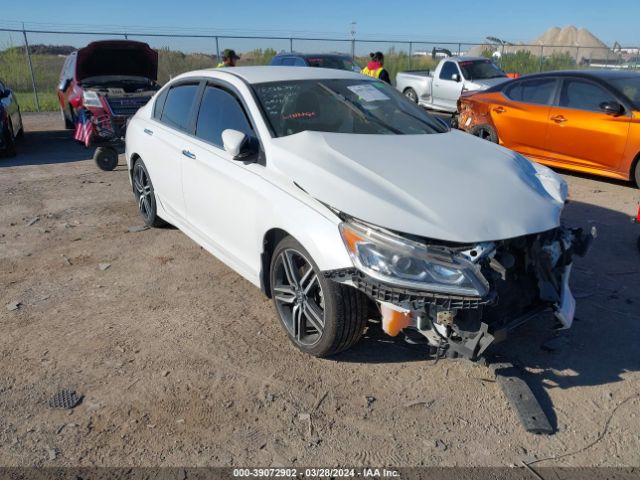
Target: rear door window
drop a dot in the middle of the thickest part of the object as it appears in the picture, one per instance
(219, 110)
(583, 95)
(177, 108)
(537, 91)
(449, 69)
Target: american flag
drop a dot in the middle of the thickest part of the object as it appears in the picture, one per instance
(84, 127)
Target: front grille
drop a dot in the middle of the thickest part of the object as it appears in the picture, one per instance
(126, 106)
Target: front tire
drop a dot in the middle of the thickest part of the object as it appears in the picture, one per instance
(145, 195)
(321, 317)
(486, 132)
(9, 141)
(636, 173)
(68, 122)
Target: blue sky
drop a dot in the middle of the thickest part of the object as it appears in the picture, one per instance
(458, 20)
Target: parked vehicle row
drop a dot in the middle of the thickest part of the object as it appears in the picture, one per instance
(587, 121)
(336, 196)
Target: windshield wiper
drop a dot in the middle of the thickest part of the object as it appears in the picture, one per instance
(354, 108)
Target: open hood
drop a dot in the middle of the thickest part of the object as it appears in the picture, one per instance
(449, 186)
(117, 57)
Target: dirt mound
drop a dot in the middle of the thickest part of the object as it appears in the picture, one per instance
(579, 42)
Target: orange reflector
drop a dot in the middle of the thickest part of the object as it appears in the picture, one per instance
(351, 238)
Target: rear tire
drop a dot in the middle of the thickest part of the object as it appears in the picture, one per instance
(411, 94)
(321, 317)
(636, 173)
(486, 132)
(106, 158)
(145, 195)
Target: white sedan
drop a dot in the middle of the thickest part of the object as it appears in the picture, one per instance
(344, 202)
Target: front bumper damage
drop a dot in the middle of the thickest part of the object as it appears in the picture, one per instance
(527, 276)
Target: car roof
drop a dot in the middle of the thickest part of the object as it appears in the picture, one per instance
(597, 74)
(307, 55)
(268, 73)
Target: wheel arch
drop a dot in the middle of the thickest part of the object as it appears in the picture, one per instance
(271, 238)
(632, 170)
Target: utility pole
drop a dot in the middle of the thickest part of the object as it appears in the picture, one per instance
(353, 41)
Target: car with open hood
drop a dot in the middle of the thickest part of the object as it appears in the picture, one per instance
(345, 202)
(108, 81)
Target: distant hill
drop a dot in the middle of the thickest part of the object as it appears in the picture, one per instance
(41, 49)
(572, 40)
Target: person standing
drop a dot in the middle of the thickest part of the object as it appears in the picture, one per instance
(375, 68)
(229, 58)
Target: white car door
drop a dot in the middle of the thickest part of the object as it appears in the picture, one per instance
(167, 137)
(224, 197)
(447, 87)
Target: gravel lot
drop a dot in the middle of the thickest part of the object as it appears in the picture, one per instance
(182, 362)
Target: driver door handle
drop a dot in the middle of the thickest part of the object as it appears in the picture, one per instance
(188, 154)
(500, 110)
(558, 119)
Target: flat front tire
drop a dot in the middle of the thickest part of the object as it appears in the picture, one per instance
(145, 195)
(321, 317)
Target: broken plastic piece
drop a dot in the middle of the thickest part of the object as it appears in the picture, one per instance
(393, 320)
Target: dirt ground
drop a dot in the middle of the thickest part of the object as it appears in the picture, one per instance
(182, 362)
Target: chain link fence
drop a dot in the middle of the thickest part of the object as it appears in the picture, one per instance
(31, 60)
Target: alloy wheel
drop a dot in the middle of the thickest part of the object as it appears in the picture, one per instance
(299, 298)
(142, 186)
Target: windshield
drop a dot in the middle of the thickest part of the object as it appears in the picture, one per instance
(342, 106)
(330, 61)
(480, 70)
(630, 87)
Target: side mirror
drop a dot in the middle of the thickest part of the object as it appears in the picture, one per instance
(238, 145)
(64, 84)
(455, 77)
(612, 108)
(5, 93)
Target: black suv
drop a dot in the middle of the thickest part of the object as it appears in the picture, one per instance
(322, 60)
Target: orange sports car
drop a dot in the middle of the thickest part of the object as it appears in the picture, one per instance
(587, 121)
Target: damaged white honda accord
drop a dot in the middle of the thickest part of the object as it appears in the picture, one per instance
(345, 202)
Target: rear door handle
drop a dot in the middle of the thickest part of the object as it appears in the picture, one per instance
(500, 110)
(187, 153)
(148, 132)
(558, 119)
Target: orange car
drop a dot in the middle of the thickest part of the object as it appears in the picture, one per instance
(587, 121)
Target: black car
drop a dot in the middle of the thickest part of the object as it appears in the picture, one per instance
(10, 121)
(322, 60)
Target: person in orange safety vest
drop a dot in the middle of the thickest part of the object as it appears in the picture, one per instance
(375, 67)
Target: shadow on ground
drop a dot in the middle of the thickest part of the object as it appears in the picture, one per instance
(49, 147)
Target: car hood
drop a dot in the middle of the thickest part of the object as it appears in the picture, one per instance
(117, 58)
(449, 186)
(485, 83)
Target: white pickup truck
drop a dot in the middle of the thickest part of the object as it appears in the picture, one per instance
(440, 89)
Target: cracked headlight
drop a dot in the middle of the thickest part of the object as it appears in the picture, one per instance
(399, 261)
(91, 99)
